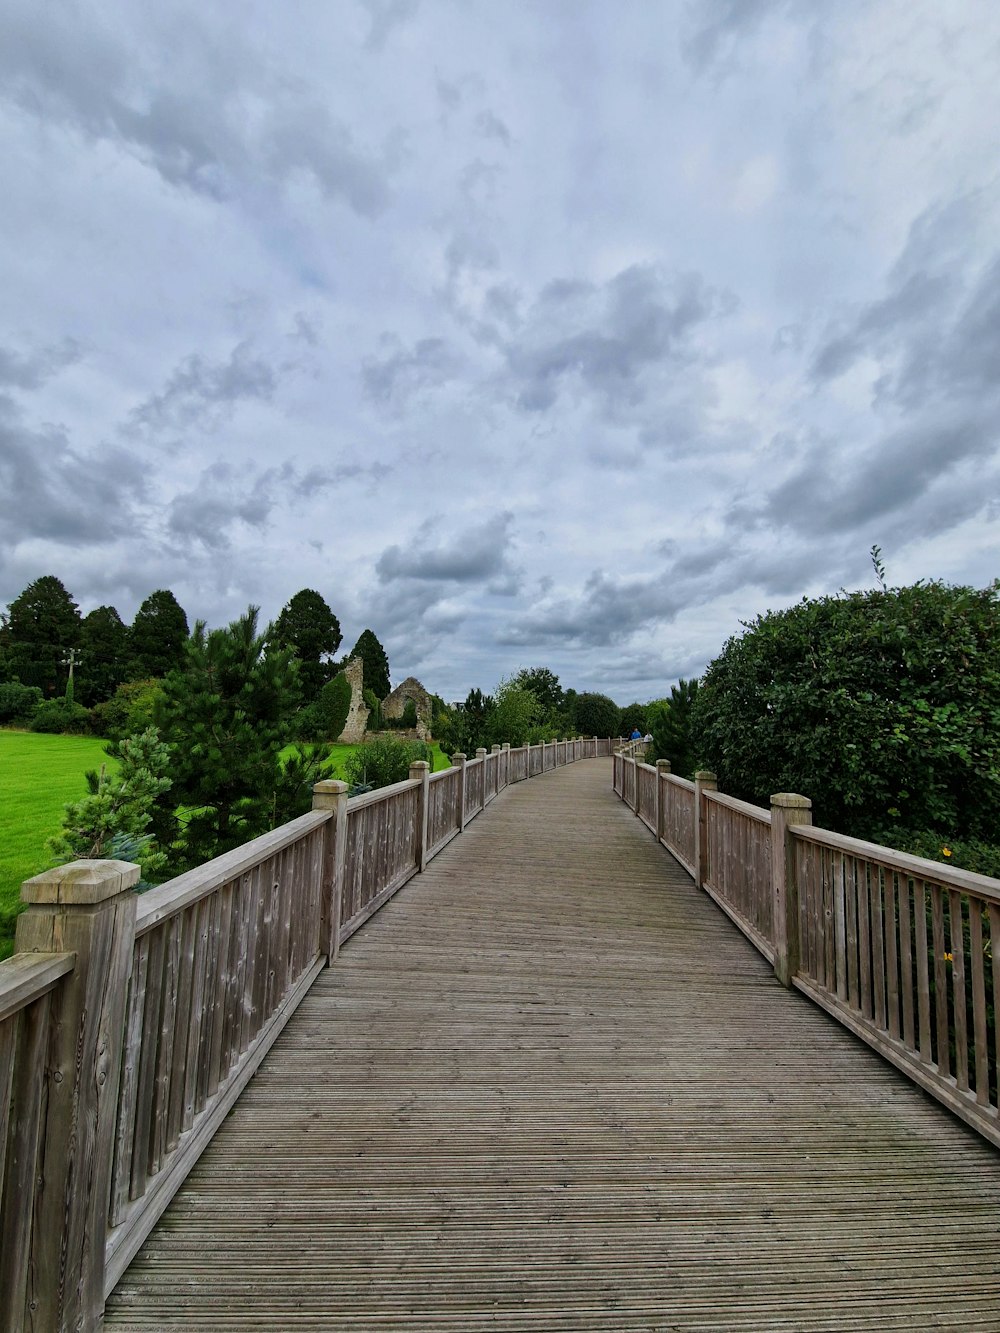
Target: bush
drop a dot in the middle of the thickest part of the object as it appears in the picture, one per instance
(130, 710)
(597, 715)
(882, 706)
(383, 761)
(18, 702)
(61, 717)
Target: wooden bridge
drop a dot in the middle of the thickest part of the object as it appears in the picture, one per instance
(549, 1086)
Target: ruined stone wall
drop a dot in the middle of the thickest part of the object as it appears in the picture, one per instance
(411, 688)
(357, 717)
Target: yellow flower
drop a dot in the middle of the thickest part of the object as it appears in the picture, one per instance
(946, 851)
(948, 958)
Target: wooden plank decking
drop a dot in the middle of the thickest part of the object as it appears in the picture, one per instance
(550, 1086)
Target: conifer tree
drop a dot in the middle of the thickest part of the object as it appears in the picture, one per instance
(376, 663)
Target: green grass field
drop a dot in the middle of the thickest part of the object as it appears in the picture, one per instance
(39, 775)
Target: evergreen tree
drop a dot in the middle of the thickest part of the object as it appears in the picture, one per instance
(157, 637)
(225, 713)
(670, 724)
(119, 806)
(597, 715)
(376, 663)
(103, 653)
(308, 626)
(41, 626)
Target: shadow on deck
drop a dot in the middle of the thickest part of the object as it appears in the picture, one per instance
(550, 1086)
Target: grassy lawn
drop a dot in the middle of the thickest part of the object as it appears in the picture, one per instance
(39, 775)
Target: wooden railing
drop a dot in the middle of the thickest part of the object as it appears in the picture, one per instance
(903, 951)
(130, 1025)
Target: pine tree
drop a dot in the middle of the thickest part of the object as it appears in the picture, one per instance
(41, 625)
(225, 714)
(376, 663)
(157, 636)
(308, 626)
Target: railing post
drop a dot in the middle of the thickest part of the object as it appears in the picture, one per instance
(421, 769)
(703, 781)
(332, 795)
(505, 748)
(635, 784)
(786, 809)
(662, 768)
(481, 755)
(458, 761)
(86, 907)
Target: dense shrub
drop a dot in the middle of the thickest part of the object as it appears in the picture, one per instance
(597, 715)
(882, 706)
(130, 710)
(383, 761)
(18, 702)
(61, 716)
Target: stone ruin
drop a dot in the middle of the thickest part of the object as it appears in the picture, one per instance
(392, 706)
(396, 702)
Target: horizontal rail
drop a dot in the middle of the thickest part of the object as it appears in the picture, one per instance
(983, 886)
(28, 976)
(756, 812)
(166, 900)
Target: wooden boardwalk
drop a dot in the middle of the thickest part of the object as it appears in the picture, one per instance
(550, 1086)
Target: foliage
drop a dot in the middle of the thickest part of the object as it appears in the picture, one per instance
(61, 716)
(374, 706)
(334, 704)
(597, 715)
(225, 713)
(670, 727)
(103, 655)
(632, 717)
(383, 761)
(131, 709)
(18, 702)
(41, 625)
(298, 774)
(157, 637)
(119, 805)
(308, 626)
(973, 854)
(544, 685)
(409, 718)
(376, 664)
(462, 730)
(517, 712)
(882, 706)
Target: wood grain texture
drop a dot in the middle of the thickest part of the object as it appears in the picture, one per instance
(549, 1086)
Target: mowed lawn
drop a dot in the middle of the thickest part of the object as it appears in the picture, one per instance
(39, 775)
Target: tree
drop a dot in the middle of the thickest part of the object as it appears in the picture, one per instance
(544, 685)
(103, 653)
(376, 663)
(634, 715)
(157, 637)
(882, 706)
(225, 714)
(332, 706)
(308, 626)
(119, 806)
(515, 713)
(41, 626)
(670, 725)
(597, 715)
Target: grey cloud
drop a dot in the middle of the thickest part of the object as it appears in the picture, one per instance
(226, 496)
(606, 611)
(471, 556)
(49, 490)
(384, 16)
(427, 365)
(19, 371)
(203, 393)
(79, 74)
(898, 470)
(713, 29)
(606, 338)
(490, 126)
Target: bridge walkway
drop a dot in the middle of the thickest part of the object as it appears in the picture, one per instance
(551, 1087)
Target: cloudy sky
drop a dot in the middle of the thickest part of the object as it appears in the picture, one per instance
(550, 332)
